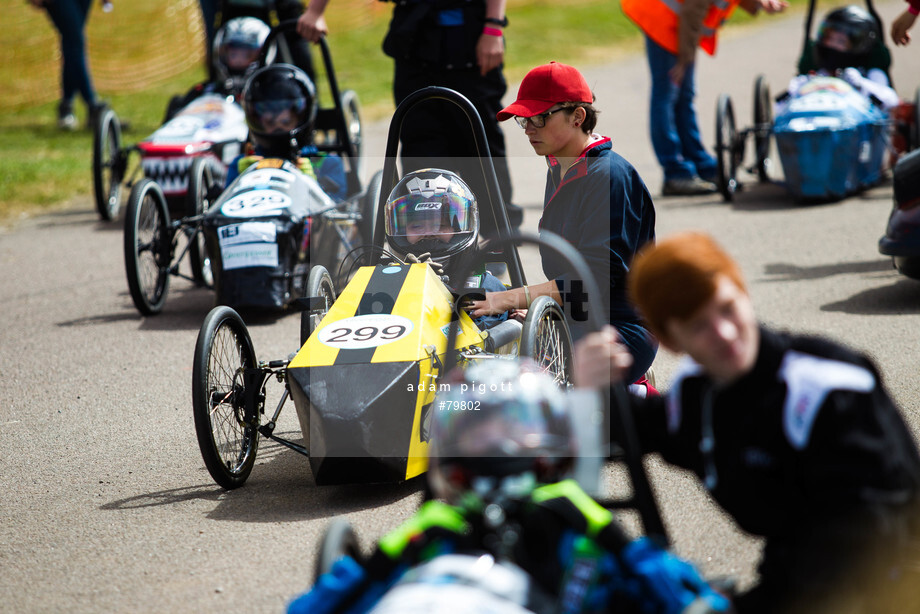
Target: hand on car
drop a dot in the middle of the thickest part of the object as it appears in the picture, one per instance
(493, 304)
(312, 26)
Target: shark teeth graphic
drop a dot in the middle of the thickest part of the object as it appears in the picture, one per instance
(170, 173)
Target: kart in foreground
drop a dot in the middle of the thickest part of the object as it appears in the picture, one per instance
(832, 140)
(255, 241)
(370, 358)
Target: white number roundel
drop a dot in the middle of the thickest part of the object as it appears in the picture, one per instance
(256, 203)
(367, 331)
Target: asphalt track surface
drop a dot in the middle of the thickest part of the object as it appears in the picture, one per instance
(105, 504)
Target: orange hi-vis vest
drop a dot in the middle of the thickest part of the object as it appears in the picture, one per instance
(659, 20)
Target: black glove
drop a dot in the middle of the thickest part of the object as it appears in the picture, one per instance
(426, 257)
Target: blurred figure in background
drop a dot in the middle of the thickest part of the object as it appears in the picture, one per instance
(69, 19)
(673, 31)
(208, 18)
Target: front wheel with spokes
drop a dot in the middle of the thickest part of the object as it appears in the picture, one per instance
(546, 339)
(108, 166)
(763, 126)
(148, 246)
(728, 149)
(201, 184)
(227, 439)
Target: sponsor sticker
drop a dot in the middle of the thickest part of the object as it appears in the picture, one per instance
(248, 255)
(367, 331)
(247, 232)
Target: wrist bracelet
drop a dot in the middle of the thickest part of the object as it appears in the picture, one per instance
(526, 297)
(491, 31)
(913, 10)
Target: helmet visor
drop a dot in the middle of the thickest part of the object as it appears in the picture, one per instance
(237, 58)
(278, 116)
(443, 217)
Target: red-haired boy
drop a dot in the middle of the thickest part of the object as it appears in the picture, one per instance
(794, 436)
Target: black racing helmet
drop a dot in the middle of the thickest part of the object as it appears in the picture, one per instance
(499, 427)
(280, 105)
(846, 38)
(236, 50)
(434, 211)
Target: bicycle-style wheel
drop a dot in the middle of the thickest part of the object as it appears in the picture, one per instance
(108, 168)
(227, 442)
(201, 182)
(338, 541)
(546, 339)
(351, 108)
(148, 246)
(726, 148)
(763, 126)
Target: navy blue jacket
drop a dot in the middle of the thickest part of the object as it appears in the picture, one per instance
(602, 207)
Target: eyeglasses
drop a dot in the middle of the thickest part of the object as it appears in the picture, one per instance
(538, 121)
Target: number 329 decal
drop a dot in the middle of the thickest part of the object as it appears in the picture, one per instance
(368, 331)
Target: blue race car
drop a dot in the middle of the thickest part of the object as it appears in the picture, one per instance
(836, 123)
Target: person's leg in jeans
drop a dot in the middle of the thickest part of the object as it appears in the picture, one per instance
(662, 117)
(69, 17)
(688, 129)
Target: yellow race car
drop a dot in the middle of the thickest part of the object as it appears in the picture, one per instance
(369, 365)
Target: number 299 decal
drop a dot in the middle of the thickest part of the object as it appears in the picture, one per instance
(367, 331)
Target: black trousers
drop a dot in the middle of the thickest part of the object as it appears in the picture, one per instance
(436, 134)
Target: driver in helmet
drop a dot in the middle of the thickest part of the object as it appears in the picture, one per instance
(236, 51)
(432, 214)
(235, 56)
(847, 39)
(501, 455)
(280, 105)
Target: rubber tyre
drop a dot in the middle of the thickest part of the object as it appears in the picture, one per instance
(763, 126)
(915, 124)
(148, 246)
(338, 541)
(909, 267)
(319, 283)
(197, 202)
(726, 148)
(107, 169)
(354, 132)
(546, 339)
(224, 348)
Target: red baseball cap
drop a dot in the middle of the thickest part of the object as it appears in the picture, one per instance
(545, 86)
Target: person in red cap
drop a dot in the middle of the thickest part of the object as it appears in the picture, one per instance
(594, 199)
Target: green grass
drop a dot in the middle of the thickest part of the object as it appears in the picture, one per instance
(42, 168)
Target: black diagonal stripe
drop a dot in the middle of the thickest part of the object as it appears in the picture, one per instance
(380, 295)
